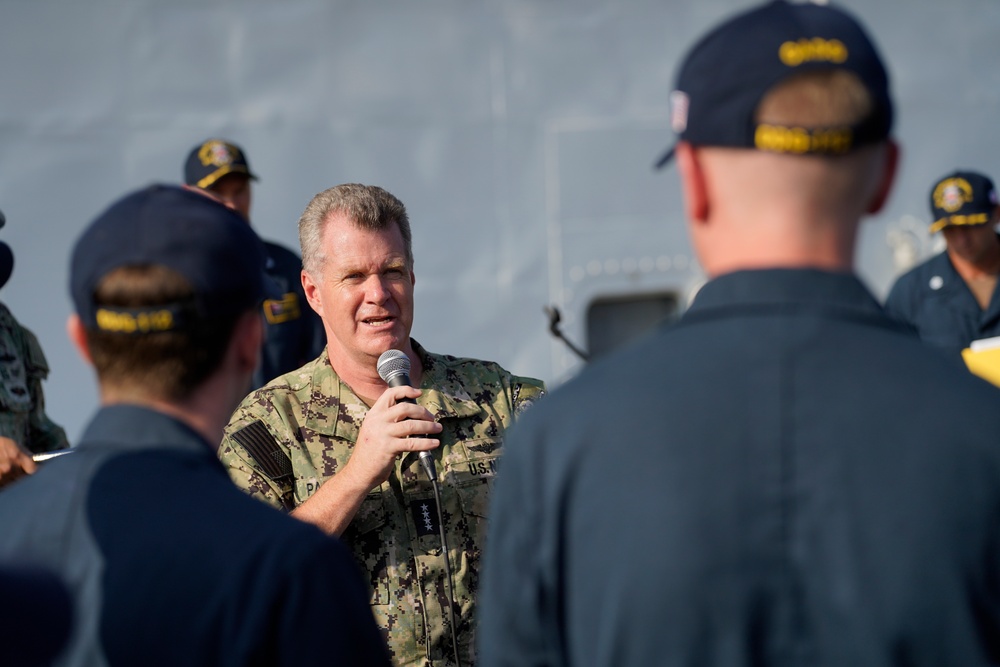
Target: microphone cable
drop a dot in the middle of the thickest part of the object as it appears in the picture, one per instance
(394, 368)
(432, 474)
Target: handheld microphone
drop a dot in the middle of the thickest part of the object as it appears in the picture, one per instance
(394, 368)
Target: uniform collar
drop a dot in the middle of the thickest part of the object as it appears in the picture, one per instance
(445, 395)
(334, 408)
(134, 428)
(786, 287)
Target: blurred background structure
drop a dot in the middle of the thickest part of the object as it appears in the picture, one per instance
(519, 133)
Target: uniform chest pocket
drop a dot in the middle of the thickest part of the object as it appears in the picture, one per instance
(370, 516)
(471, 469)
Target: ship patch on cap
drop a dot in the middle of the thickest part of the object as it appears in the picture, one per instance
(213, 159)
(962, 198)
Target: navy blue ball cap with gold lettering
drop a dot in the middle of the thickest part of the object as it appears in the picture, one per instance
(211, 160)
(207, 243)
(724, 76)
(962, 198)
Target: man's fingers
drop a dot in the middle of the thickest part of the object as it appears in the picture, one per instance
(410, 411)
(28, 464)
(415, 427)
(404, 392)
(420, 444)
(394, 395)
(14, 461)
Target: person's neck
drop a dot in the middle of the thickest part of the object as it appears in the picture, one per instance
(207, 410)
(361, 375)
(208, 426)
(987, 266)
(829, 252)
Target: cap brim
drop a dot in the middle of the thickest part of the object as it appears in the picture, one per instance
(957, 221)
(665, 158)
(210, 180)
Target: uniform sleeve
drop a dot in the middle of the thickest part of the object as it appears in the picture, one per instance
(518, 625)
(525, 393)
(255, 453)
(44, 435)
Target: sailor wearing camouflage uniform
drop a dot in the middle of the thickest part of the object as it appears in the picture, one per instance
(22, 369)
(314, 418)
(25, 429)
(333, 443)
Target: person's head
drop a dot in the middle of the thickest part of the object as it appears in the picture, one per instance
(163, 282)
(965, 208)
(783, 113)
(221, 168)
(357, 260)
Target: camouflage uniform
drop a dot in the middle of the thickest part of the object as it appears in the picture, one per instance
(289, 437)
(22, 404)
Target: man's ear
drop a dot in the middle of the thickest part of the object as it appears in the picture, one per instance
(887, 177)
(78, 336)
(693, 184)
(311, 290)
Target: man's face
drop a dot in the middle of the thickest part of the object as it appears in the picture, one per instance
(364, 291)
(233, 190)
(973, 243)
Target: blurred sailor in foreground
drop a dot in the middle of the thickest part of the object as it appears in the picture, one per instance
(36, 614)
(169, 563)
(25, 428)
(786, 476)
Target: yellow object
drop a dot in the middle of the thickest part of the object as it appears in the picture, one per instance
(983, 358)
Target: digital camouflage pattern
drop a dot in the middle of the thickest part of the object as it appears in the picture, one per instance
(22, 404)
(302, 428)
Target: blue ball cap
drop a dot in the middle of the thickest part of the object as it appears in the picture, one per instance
(211, 160)
(963, 198)
(210, 245)
(724, 76)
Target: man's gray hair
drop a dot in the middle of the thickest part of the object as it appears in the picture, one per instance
(368, 206)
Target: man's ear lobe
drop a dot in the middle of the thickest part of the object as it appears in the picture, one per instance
(78, 337)
(693, 185)
(887, 177)
(311, 290)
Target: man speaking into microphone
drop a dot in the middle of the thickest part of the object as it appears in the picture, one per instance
(334, 445)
